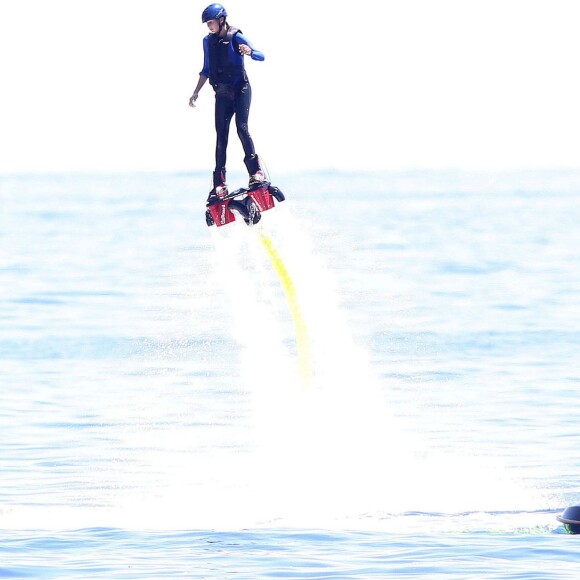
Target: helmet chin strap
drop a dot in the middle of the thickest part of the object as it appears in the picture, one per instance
(222, 24)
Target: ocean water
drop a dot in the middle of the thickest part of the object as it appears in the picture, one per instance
(390, 391)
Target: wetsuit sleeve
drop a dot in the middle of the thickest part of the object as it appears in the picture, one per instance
(256, 54)
(205, 69)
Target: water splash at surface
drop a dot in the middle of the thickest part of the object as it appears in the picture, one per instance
(335, 451)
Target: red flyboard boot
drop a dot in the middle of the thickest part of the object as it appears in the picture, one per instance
(217, 205)
(258, 186)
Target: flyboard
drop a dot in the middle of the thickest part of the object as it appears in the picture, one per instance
(249, 204)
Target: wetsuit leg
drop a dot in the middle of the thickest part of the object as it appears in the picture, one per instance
(224, 111)
(242, 109)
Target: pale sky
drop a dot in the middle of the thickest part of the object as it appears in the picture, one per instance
(388, 85)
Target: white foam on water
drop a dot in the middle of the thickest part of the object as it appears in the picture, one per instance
(332, 450)
(329, 454)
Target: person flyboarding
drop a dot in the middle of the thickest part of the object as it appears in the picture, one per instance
(224, 49)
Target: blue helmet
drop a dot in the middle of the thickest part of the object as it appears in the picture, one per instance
(213, 12)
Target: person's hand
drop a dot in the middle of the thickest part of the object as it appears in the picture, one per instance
(245, 49)
(192, 99)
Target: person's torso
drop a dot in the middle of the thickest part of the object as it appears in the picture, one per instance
(226, 64)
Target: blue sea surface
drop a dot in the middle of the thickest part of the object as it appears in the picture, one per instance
(155, 420)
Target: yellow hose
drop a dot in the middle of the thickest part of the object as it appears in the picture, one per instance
(302, 341)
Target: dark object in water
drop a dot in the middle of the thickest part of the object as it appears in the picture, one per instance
(570, 517)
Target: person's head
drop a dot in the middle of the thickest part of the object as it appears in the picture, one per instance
(215, 17)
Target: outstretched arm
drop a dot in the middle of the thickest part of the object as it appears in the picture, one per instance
(200, 83)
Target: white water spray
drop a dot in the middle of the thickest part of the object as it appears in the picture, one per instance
(333, 451)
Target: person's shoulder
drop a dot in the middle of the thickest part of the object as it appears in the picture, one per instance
(239, 37)
(209, 41)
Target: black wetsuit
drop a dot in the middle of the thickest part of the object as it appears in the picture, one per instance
(224, 66)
